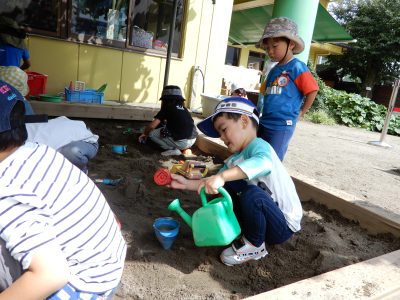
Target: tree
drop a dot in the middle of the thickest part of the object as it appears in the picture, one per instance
(375, 57)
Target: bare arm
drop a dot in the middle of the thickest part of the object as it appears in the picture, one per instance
(310, 97)
(212, 183)
(153, 124)
(26, 64)
(47, 273)
(181, 183)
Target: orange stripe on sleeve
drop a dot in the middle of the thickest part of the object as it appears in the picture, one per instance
(306, 83)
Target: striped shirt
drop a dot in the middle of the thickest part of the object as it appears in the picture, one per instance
(45, 200)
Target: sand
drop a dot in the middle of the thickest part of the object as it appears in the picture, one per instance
(326, 242)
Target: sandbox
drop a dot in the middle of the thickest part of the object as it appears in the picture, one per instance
(327, 246)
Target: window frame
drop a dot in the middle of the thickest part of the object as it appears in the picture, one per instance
(86, 39)
(261, 55)
(239, 53)
(61, 31)
(185, 4)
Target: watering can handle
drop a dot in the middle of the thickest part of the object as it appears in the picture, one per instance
(227, 202)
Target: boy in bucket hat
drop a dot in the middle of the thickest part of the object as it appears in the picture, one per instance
(289, 89)
(173, 127)
(264, 196)
(58, 236)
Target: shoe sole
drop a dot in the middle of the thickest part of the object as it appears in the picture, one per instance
(231, 265)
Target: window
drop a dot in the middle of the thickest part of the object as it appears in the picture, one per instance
(150, 26)
(134, 24)
(321, 59)
(256, 60)
(232, 56)
(37, 16)
(99, 21)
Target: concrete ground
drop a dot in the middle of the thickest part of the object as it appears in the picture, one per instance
(341, 157)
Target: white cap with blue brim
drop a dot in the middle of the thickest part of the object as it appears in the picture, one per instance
(237, 105)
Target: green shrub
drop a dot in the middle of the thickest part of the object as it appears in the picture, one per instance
(351, 109)
(394, 125)
(320, 117)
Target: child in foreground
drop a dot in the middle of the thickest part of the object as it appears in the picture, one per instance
(264, 196)
(59, 238)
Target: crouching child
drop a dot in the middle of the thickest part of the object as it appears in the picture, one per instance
(264, 196)
(59, 238)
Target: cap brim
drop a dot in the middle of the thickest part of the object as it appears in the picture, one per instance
(36, 119)
(207, 127)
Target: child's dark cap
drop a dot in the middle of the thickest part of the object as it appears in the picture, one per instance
(172, 92)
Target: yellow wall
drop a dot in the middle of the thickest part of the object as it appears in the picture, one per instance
(136, 77)
(326, 49)
(100, 65)
(57, 59)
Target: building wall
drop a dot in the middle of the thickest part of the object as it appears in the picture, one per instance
(137, 77)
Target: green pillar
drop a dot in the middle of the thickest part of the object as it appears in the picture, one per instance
(304, 13)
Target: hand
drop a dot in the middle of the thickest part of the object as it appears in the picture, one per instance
(143, 138)
(178, 182)
(212, 184)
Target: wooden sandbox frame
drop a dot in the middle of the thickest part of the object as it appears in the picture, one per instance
(377, 278)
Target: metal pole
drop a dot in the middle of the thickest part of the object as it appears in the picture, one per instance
(170, 41)
(392, 101)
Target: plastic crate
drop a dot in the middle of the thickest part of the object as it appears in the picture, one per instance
(86, 96)
(36, 83)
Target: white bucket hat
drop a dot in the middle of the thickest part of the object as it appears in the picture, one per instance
(283, 27)
(236, 105)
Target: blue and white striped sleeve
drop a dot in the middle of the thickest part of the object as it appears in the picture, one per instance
(24, 228)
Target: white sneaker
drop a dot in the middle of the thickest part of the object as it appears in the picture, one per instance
(171, 152)
(241, 251)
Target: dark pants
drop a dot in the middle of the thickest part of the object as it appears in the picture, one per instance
(278, 139)
(259, 216)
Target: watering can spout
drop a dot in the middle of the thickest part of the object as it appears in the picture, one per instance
(176, 206)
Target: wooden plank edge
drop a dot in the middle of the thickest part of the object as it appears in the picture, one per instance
(376, 278)
(98, 111)
(211, 147)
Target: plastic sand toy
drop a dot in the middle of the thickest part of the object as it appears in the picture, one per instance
(190, 169)
(162, 177)
(213, 224)
(108, 181)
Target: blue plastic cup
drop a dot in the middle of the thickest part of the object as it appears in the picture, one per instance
(166, 230)
(118, 149)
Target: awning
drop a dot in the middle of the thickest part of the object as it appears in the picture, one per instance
(248, 25)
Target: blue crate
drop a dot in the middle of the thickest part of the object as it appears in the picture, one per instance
(86, 96)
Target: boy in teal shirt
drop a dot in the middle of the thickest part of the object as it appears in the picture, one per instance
(265, 199)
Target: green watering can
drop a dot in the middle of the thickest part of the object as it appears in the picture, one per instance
(215, 223)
